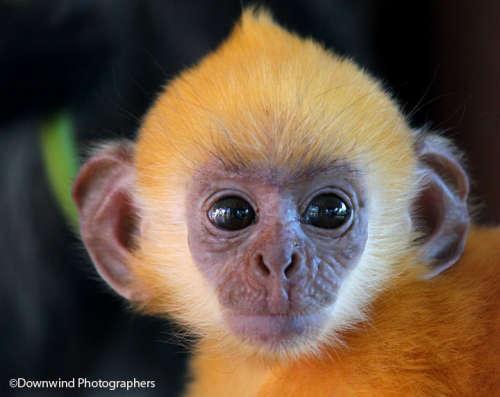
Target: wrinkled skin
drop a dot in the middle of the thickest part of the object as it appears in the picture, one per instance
(275, 278)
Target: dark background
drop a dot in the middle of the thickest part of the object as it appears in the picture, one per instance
(104, 61)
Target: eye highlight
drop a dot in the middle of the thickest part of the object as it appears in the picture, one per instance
(326, 211)
(231, 213)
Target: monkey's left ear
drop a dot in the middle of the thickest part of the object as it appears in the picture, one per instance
(441, 213)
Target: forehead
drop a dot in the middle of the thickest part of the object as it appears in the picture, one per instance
(217, 172)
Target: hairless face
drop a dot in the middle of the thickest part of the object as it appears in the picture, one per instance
(276, 245)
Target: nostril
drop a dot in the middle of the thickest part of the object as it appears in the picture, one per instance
(261, 266)
(292, 265)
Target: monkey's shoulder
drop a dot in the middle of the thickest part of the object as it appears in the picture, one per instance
(483, 246)
(477, 274)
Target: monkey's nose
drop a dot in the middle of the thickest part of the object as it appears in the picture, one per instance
(276, 266)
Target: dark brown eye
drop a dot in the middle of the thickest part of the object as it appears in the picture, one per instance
(326, 211)
(231, 213)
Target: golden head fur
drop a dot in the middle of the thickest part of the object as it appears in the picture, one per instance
(268, 98)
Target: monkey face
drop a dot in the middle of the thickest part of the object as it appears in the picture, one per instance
(276, 246)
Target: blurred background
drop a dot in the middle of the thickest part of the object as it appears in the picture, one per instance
(100, 63)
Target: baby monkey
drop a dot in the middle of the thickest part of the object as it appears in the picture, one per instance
(278, 206)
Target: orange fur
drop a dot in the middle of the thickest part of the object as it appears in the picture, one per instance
(269, 98)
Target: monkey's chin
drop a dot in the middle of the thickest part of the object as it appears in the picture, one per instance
(275, 332)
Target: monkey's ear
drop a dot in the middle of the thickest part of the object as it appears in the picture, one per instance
(440, 213)
(108, 215)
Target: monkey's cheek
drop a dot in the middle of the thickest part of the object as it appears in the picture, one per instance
(274, 331)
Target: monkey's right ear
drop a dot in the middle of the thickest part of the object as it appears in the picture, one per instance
(441, 213)
(108, 215)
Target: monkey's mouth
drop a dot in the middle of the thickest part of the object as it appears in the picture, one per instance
(274, 330)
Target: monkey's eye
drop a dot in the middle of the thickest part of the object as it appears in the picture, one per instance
(231, 213)
(326, 211)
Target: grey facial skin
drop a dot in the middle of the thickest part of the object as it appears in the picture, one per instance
(274, 278)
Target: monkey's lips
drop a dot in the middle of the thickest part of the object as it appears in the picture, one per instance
(273, 330)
